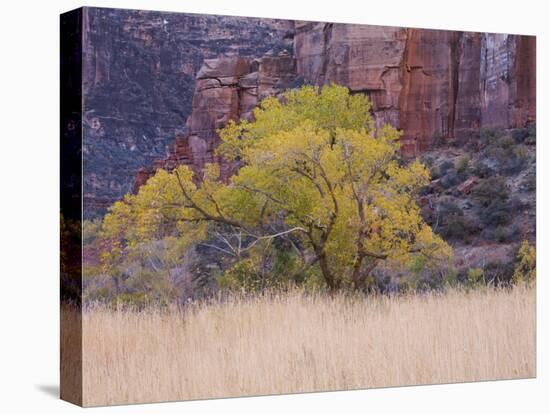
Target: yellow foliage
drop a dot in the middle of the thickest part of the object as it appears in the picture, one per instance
(312, 166)
(526, 267)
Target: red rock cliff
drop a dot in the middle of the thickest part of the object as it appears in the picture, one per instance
(227, 88)
(426, 82)
(429, 83)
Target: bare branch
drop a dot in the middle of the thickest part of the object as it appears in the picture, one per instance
(206, 215)
(213, 246)
(273, 236)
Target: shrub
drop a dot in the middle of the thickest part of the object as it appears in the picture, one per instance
(488, 136)
(520, 134)
(504, 234)
(475, 277)
(462, 164)
(462, 167)
(482, 170)
(532, 135)
(90, 231)
(457, 228)
(490, 190)
(428, 161)
(438, 171)
(450, 179)
(498, 273)
(496, 213)
(506, 151)
(446, 166)
(525, 135)
(529, 183)
(525, 270)
(506, 142)
(453, 224)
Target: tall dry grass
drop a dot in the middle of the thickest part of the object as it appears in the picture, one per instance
(299, 343)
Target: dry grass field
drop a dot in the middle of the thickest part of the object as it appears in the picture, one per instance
(298, 343)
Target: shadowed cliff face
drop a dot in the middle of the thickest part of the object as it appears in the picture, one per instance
(139, 70)
(158, 85)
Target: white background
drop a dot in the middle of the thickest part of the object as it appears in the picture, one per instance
(29, 176)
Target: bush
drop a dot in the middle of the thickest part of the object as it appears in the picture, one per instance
(532, 135)
(504, 234)
(514, 165)
(525, 270)
(475, 277)
(490, 190)
(488, 136)
(263, 269)
(496, 213)
(525, 135)
(506, 142)
(453, 224)
(446, 166)
(90, 231)
(482, 170)
(495, 208)
(450, 179)
(457, 228)
(529, 183)
(520, 134)
(506, 150)
(498, 273)
(462, 164)
(428, 161)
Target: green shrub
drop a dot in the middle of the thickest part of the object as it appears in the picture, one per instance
(506, 142)
(457, 228)
(525, 270)
(488, 136)
(463, 164)
(452, 223)
(490, 190)
(90, 231)
(475, 277)
(503, 234)
(496, 213)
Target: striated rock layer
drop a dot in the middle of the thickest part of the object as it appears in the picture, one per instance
(429, 83)
(227, 88)
(139, 71)
(158, 85)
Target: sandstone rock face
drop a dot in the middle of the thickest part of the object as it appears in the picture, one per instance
(363, 58)
(508, 89)
(139, 76)
(157, 85)
(429, 83)
(227, 88)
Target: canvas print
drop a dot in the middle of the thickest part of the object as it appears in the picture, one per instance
(258, 206)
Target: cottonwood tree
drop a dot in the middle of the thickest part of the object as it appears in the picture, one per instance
(312, 171)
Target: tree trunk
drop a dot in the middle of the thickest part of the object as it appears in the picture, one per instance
(327, 274)
(359, 277)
